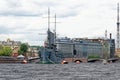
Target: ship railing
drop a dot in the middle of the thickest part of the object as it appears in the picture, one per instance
(51, 61)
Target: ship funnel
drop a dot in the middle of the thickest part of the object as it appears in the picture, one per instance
(110, 36)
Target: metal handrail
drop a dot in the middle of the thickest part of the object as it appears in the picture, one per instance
(51, 60)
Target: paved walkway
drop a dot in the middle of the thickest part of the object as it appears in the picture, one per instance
(83, 71)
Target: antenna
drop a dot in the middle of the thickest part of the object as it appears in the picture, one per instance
(118, 12)
(118, 23)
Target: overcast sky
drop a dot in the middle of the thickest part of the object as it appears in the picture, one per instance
(23, 20)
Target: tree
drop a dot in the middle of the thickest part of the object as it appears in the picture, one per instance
(23, 48)
(1, 47)
(20, 52)
(5, 51)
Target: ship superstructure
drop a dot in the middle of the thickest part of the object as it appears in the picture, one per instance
(49, 53)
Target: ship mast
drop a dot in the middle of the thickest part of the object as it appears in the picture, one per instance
(48, 32)
(55, 28)
(118, 23)
(48, 18)
(55, 35)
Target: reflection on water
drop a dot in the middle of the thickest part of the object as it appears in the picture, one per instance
(83, 71)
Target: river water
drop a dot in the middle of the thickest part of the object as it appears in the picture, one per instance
(83, 71)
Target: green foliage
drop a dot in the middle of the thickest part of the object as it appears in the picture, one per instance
(5, 51)
(93, 57)
(23, 49)
(20, 52)
(1, 47)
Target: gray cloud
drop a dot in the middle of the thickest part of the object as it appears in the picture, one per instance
(46, 4)
(13, 30)
(5, 30)
(15, 8)
(19, 13)
(13, 3)
(71, 14)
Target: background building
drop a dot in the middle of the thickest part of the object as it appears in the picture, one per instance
(13, 44)
(33, 51)
(104, 48)
(66, 46)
